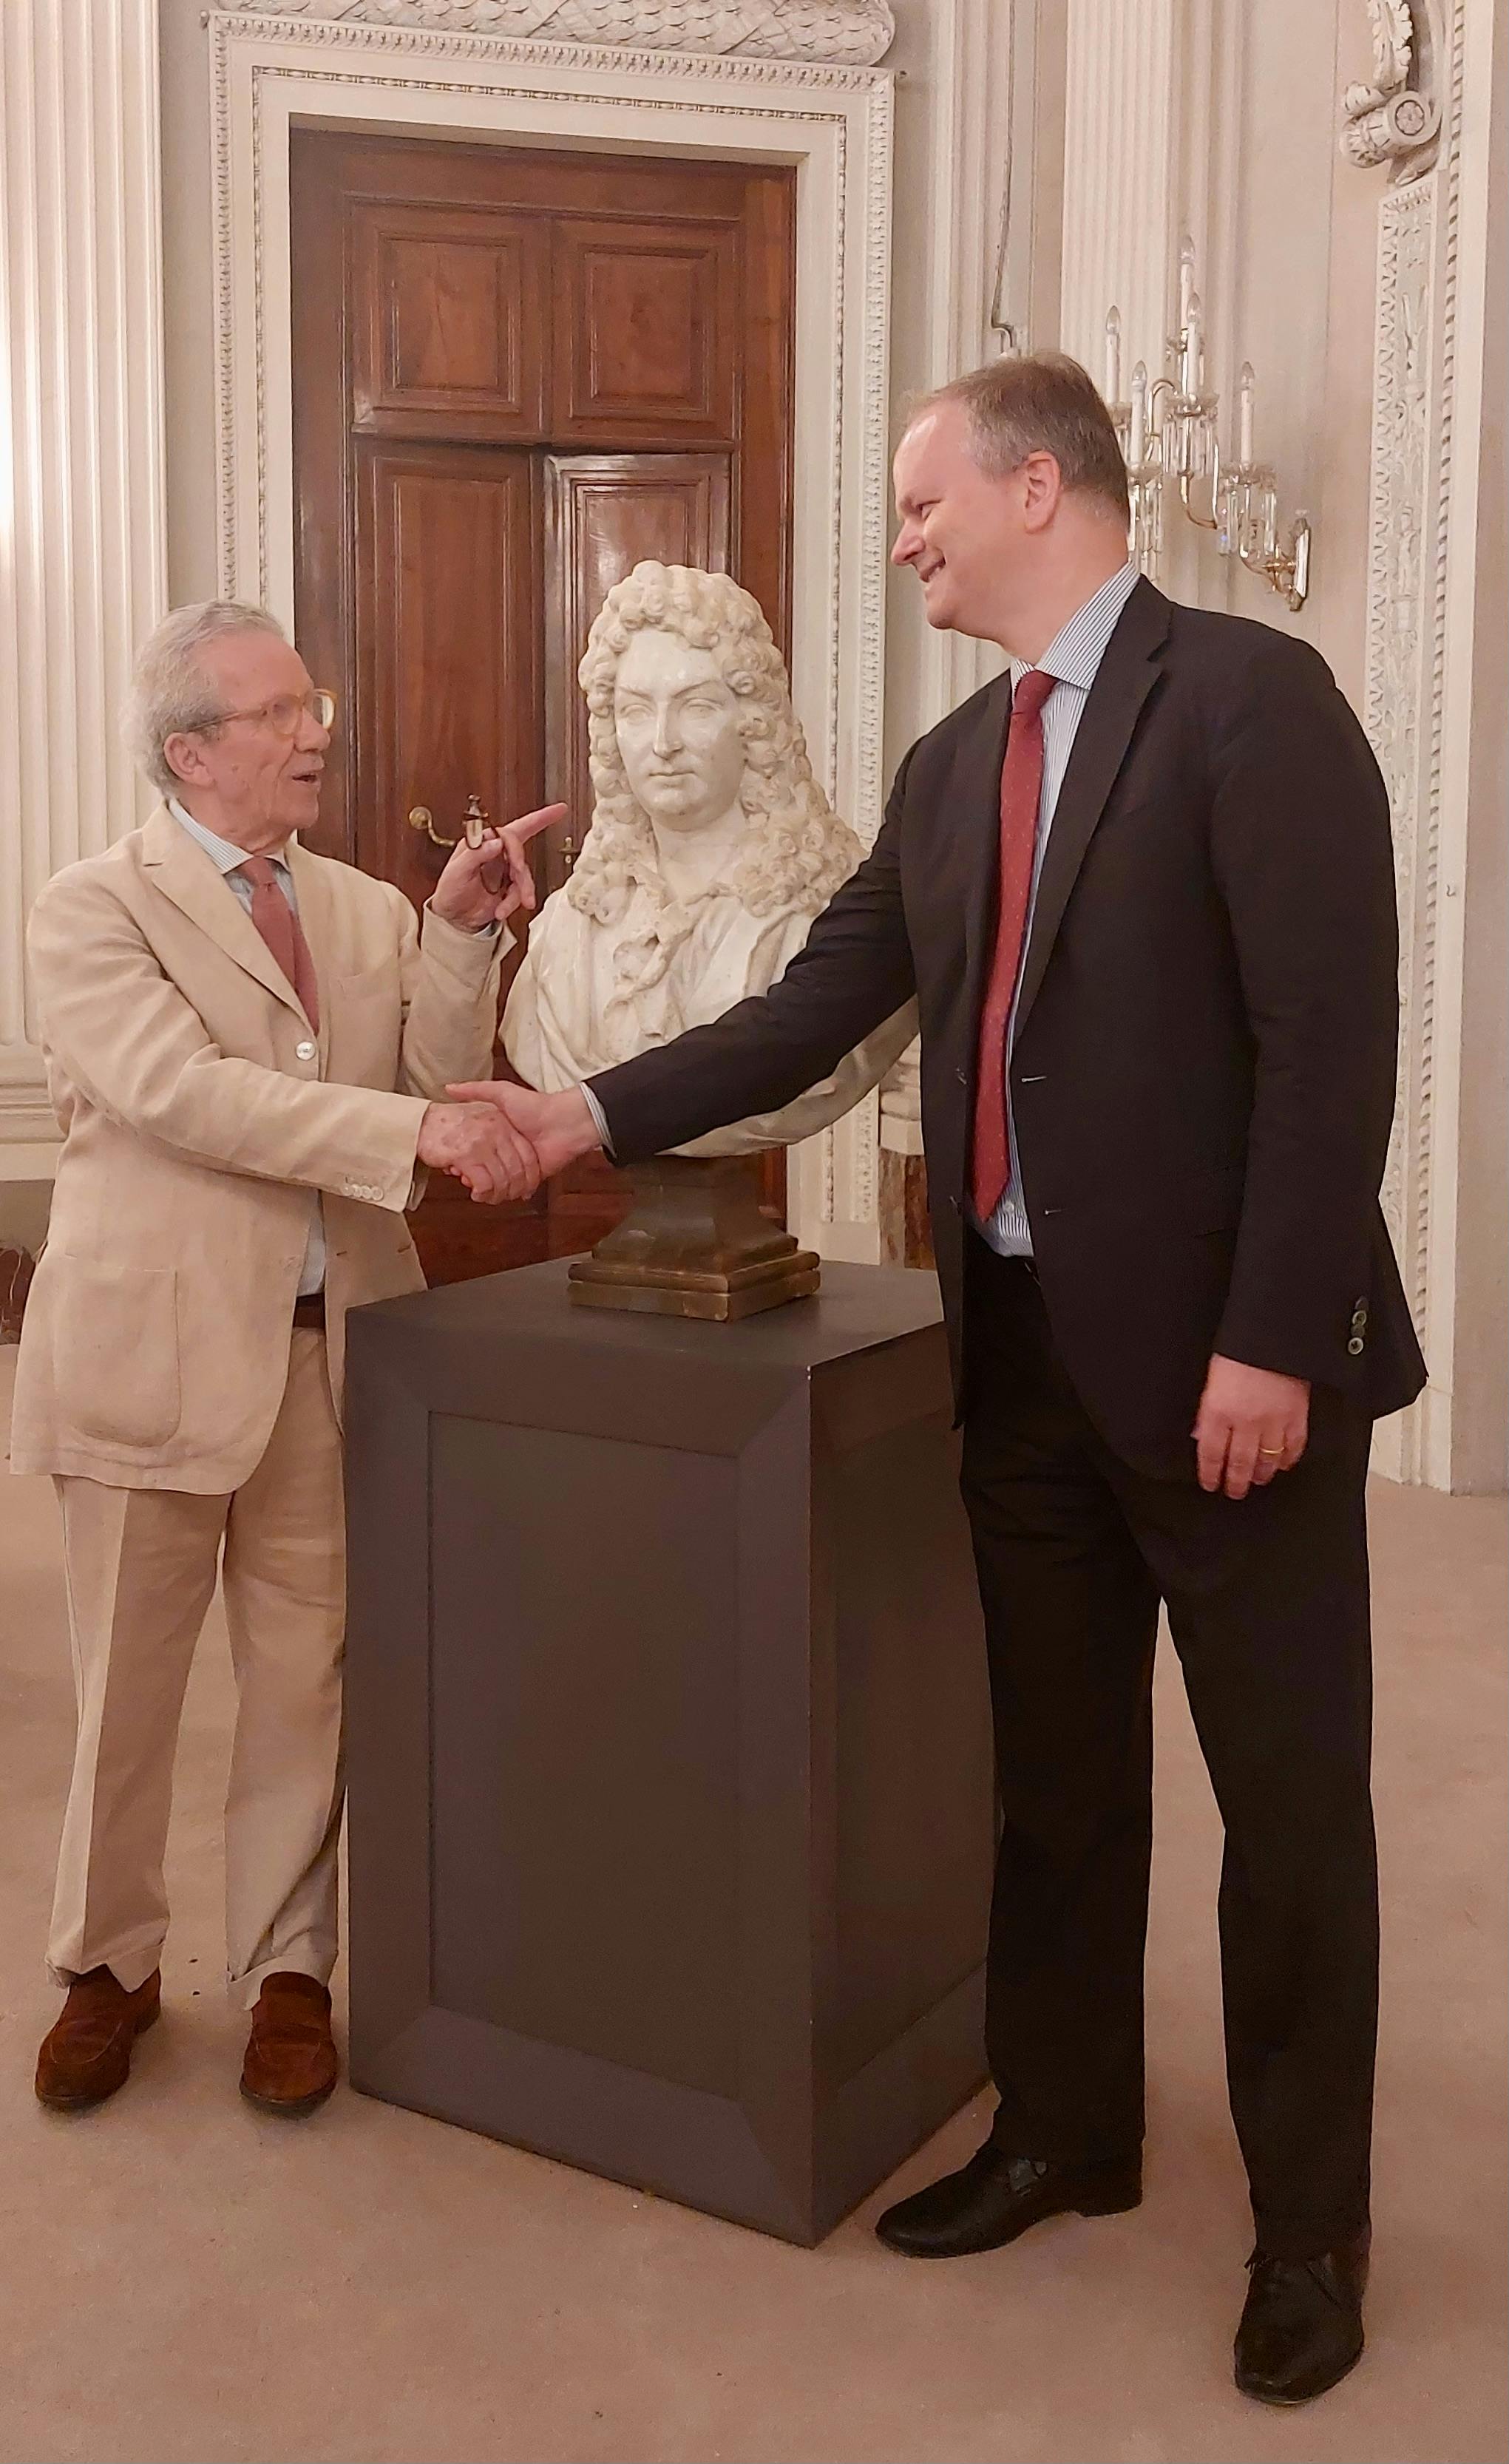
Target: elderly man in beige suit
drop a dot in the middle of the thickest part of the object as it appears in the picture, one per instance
(245, 1046)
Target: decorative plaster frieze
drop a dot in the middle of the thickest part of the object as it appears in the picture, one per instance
(854, 33)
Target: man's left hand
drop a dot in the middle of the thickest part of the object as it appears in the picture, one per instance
(483, 886)
(1252, 1424)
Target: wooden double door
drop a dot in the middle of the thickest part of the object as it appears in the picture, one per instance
(515, 373)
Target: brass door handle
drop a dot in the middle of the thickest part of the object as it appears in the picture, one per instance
(474, 826)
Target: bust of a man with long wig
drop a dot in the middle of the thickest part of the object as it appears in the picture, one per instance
(712, 847)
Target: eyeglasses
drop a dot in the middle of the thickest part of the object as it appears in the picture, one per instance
(283, 712)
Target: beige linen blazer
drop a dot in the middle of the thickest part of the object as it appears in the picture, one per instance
(198, 1109)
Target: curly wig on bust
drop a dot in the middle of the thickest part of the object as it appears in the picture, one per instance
(797, 852)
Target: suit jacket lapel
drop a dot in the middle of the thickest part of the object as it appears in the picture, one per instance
(183, 873)
(1127, 675)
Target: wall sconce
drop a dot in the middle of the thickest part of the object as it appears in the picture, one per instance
(1167, 431)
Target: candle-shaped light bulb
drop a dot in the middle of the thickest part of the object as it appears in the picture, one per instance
(1192, 352)
(1185, 280)
(1113, 355)
(1136, 437)
(1246, 387)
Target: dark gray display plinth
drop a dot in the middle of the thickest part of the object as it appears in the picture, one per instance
(668, 1736)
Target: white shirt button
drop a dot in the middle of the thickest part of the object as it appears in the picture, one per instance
(306, 1051)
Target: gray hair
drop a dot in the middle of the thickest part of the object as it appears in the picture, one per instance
(171, 693)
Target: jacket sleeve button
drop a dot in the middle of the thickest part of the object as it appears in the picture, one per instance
(1356, 1346)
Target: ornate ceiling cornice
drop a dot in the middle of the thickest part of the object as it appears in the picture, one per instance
(852, 33)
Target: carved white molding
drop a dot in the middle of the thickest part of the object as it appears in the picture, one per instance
(854, 33)
(82, 555)
(1396, 116)
(1410, 548)
(1401, 707)
(834, 123)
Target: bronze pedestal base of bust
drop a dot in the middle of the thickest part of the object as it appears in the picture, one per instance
(694, 1245)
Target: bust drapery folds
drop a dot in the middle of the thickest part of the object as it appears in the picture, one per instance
(711, 850)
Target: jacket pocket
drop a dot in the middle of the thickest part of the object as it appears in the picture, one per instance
(367, 981)
(116, 1349)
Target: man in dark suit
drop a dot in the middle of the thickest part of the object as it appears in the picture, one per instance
(1141, 886)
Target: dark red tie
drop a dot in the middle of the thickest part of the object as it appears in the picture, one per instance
(1021, 793)
(281, 928)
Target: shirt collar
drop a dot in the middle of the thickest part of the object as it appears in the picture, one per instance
(223, 853)
(1074, 655)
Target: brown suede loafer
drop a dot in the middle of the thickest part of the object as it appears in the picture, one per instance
(87, 2055)
(291, 2063)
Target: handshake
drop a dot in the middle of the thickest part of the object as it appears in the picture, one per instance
(502, 1141)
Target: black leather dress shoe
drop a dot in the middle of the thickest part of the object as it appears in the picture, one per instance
(995, 2197)
(1301, 2329)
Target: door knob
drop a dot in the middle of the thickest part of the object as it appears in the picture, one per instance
(474, 824)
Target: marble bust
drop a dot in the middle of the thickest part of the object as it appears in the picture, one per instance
(711, 850)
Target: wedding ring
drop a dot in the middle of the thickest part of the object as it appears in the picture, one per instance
(1270, 1450)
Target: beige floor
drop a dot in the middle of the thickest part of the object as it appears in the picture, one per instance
(182, 2279)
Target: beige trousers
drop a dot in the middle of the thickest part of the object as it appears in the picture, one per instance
(141, 1565)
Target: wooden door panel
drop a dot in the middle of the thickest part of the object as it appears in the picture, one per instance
(602, 513)
(448, 305)
(645, 331)
(446, 632)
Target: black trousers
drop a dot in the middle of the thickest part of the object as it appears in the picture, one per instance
(1267, 1601)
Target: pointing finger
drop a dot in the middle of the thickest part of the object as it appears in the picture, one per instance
(530, 825)
(520, 889)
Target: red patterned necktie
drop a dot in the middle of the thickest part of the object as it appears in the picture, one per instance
(1021, 793)
(281, 928)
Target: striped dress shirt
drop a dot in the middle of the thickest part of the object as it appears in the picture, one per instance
(1073, 658)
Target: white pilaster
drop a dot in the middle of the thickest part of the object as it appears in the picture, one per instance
(82, 563)
(981, 148)
(1120, 177)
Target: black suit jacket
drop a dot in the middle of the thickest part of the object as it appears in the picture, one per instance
(1202, 1077)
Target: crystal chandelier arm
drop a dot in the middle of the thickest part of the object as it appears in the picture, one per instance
(1170, 430)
